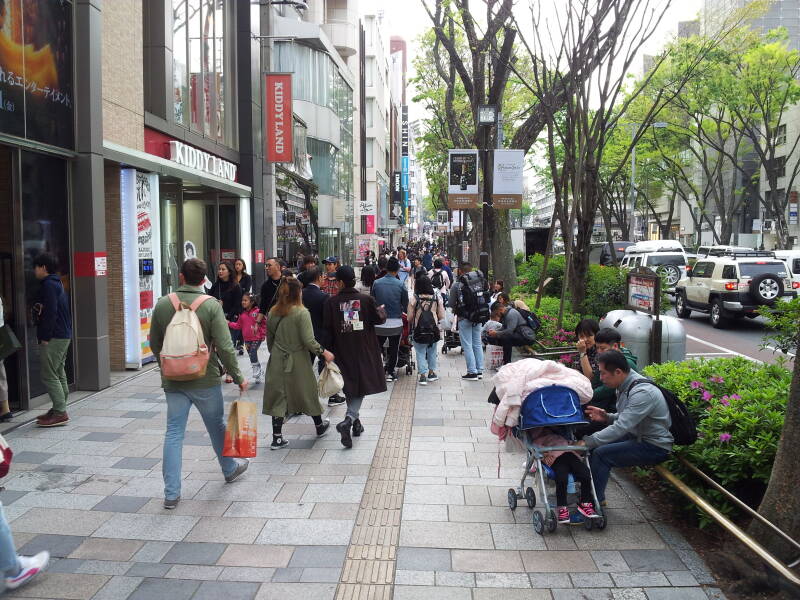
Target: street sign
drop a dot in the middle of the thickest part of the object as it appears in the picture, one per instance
(462, 188)
(507, 178)
(644, 291)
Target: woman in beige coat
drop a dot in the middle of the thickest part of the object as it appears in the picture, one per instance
(291, 386)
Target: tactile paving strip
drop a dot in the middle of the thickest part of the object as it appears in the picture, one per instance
(368, 572)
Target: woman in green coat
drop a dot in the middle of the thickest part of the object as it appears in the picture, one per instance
(291, 386)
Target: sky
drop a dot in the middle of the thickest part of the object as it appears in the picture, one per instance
(408, 19)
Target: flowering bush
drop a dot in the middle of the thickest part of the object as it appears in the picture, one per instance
(739, 407)
(529, 271)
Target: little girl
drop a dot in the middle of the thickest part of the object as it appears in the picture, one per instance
(253, 332)
(563, 464)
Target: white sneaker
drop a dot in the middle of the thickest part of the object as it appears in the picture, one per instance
(30, 566)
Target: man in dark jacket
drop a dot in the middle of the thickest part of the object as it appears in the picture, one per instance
(269, 289)
(512, 331)
(314, 300)
(350, 320)
(54, 333)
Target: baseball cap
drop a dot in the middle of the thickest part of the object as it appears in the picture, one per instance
(345, 273)
(331, 259)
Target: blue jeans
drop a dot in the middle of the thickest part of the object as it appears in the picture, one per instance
(9, 565)
(208, 402)
(625, 453)
(470, 335)
(426, 357)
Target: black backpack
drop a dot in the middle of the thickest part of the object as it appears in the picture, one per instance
(437, 279)
(530, 319)
(474, 304)
(426, 331)
(683, 428)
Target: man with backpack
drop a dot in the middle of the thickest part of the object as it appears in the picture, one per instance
(514, 332)
(439, 278)
(469, 299)
(638, 434)
(425, 310)
(189, 337)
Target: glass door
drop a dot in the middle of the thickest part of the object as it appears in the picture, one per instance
(11, 314)
(171, 247)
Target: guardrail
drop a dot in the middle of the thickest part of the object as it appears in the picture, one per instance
(779, 566)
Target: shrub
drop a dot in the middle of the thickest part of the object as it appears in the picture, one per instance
(782, 330)
(739, 406)
(606, 289)
(528, 274)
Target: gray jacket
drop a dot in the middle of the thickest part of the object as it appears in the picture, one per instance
(642, 414)
(455, 292)
(512, 320)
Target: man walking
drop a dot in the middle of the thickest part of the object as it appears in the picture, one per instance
(269, 289)
(469, 301)
(638, 433)
(205, 393)
(314, 300)
(54, 332)
(389, 292)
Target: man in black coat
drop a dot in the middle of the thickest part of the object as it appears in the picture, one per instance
(314, 300)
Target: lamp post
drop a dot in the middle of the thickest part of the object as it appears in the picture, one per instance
(488, 115)
(632, 223)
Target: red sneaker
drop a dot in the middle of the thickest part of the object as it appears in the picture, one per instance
(563, 514)
(587, 510)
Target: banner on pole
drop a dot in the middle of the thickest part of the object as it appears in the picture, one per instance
(278, 117)
(462, 189)
(507, 178)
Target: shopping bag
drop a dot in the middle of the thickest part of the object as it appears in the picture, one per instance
(330, 381)
(241, 434)
(8, 342)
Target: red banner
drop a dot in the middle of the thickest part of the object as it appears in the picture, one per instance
(278, 107)
(90, 264)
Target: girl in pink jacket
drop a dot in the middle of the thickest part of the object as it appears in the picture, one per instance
(253, 332)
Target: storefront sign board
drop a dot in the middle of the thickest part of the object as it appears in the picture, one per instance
(507, 179)
(462, 189)
(193, 158)
(278, 117)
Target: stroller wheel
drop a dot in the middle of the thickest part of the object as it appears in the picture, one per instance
(530, 497)
(512, 498)
(587, 524)
(538, 522)
(551, 521)
(600, 523)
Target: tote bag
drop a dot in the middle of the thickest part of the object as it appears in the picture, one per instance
(241, 434)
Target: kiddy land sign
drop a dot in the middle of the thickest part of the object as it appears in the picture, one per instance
(278, 107)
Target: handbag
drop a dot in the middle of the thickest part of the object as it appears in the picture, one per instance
(5, 457)
(241, 434)
(9, 343)
(330, 381)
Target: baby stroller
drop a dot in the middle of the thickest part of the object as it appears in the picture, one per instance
(557, 407)
(404, 352)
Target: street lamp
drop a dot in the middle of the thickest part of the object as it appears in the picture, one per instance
(487, 114)
(632, 225)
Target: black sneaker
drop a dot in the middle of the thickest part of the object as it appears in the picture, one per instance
(423, 380)
(470, 377)
(344, 429)
(238, 472)
(170, 504)
(278, 443)
(336, 400)
(358, 428)
(432, 376)
(480, 374)
(391, 377)
(323, 429)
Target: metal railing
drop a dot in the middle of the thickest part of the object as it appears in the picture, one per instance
(776, 564)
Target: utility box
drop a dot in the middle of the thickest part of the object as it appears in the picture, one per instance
(636, 330)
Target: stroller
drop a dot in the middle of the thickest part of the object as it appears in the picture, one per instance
(555, 406)
(405, 355)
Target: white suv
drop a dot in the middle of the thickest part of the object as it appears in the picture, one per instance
(665, 257)
(735, 284)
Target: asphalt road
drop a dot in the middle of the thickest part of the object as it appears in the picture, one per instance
(742, 336)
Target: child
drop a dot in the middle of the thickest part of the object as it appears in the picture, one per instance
(253, 332)
(563, 464)
(495, 353)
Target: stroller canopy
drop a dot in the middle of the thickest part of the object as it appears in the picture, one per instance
(550, 406)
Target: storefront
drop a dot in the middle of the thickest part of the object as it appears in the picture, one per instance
(37, 127)
(167, 204)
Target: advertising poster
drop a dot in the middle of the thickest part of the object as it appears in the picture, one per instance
(793, 208)
(643, 293)
(144, 247)
(36, 92)
(462, 189)
(507, 179)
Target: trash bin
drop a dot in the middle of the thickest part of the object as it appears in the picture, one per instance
(636, 330)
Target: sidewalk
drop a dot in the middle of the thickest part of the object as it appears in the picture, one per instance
(414, 510)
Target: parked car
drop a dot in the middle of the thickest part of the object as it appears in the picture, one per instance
(734, 285)
(665, 257)
(792, 260)
(704, 251)
(600, 253)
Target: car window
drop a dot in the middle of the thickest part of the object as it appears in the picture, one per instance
(656, 260)
(796, 266)
(729, 272)
(759, 268)
(637, 261)
(703, 269)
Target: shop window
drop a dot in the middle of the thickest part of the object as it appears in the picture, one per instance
(203, 68)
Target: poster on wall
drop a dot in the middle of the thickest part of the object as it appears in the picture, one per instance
(462, 188)
(36, 91)
(144, 247)
(507, 179)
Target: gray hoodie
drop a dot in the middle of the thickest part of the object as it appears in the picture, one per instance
(642, 414)
(512, 321)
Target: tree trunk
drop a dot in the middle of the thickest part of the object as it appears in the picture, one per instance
(502, 251)
(781, 503)
(475, 237)
(580, 267)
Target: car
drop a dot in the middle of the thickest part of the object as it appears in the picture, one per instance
(665, 257)
(734, 285)
(792, 260)
(704, 251)
(600, 253)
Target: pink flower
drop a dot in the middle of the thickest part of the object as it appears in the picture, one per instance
(715, 379)
(735, 397)
(707, 395)
(696, 384)
(724, 437)
(725, 401)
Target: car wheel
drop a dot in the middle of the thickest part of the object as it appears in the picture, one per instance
(766, 289)
(671, 274)
(717, 319)
(680, 306)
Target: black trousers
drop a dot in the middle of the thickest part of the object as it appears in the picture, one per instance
(508, 343)
(564, 465)
(391, 354)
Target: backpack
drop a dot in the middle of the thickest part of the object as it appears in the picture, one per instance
(184, 354)
(474, 301)
(531, 320)
(426, 331)
(437, 279)
(683, 428)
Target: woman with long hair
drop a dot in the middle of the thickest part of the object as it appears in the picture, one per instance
(290, 385)
(241, 276)
(229, 295)
(367, 279)
(425, 299)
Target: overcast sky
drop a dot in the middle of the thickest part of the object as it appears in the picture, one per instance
(408, 19)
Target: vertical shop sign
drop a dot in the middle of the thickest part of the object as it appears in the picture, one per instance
(507, 181)
(462, 188)
(278, 117)
(144, 247)
(793, 208)
(404, 145)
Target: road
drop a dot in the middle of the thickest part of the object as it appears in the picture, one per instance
(743, 337)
